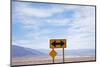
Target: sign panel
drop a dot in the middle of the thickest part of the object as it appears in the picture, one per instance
(53, 53)
(58, 43)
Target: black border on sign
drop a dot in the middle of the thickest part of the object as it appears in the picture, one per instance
(48, 3)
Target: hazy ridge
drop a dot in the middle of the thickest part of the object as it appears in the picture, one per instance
(18, 51)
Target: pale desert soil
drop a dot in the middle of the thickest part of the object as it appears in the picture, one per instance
(48, 60)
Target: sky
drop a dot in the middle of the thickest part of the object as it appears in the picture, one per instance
(34, 24)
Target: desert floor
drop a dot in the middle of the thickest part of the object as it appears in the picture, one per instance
(48, 60)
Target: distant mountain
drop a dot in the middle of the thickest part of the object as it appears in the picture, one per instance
(18, 51)
(73, 52)
(81, 52)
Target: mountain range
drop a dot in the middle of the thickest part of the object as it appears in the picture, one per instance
(18, 51)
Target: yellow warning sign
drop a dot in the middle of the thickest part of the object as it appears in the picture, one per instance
(58, 43)
(53, 53)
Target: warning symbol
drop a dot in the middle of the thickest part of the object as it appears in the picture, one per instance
(53, 53)
(58, 43)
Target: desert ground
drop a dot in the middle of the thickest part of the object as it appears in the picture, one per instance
(48, 60)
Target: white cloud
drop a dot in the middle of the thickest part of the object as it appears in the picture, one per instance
(58, 22)
(27, 9)
(79, 35)
(25, 13)
(82, 32)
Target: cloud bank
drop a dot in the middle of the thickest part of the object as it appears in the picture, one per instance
(35, 24)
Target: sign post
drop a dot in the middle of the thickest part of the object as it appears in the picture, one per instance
(63, 55)
(53, 57)
(53, 53)
(57, 43)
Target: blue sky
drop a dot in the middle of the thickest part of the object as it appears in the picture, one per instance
(34, 24)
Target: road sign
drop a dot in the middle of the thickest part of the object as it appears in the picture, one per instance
(53, 54)
(58, 43)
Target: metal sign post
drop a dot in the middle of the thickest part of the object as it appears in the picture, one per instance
(53, 54)
(57, 43)
(53, 60)
(63, 54)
